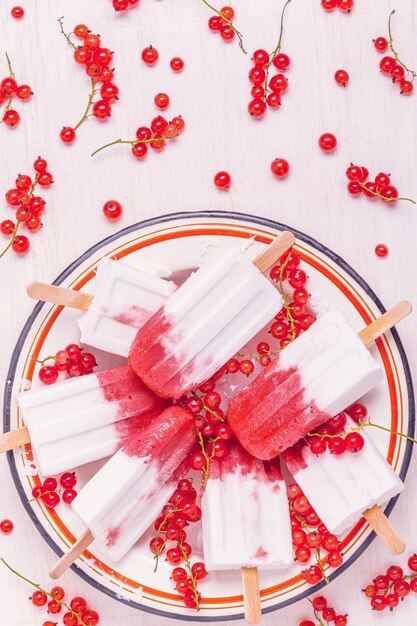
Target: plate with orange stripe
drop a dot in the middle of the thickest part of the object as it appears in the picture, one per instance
(176, 242)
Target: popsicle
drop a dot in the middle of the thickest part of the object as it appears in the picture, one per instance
(119, 503)
(205, 322)
(315, 377)
(343, 488)
(124, 298)
(82, 419)
(245, 520)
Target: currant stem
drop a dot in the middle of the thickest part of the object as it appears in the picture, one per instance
(67, 37)
(89, 103)
(9, 63)
(190, 571)
(69, 609)
(365, 425)
(134, 141)
(277, 49)
(379, 195)
(281, 289)
(158, 534)
(13, 237)
(239, 35)
(394, 52)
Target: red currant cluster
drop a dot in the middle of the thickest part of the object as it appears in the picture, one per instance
(379, 188)
(28, 207)
(213, 432)
(78, 613)
(344, 5)
(267, 91)
(386, 590)
(96, 61)
(9, 89)
(332, 435)
(180, 511)
(310, 536)
(156, 136)
(6, 526)
(293, 319)
(51, 494)
(222, 23)
(73, 361)
(124, 5)
(328, 614)
(392, 66)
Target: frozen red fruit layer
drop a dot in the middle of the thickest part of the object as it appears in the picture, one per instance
(204, 323)
(126, 495)
(315, 377)
(86, 418)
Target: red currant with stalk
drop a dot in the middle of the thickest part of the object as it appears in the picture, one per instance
(267, 91)
(155, 136)
(222, 23)
(96, 60)
(393, 66)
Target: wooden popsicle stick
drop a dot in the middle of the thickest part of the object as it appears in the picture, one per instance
(274, 251)
(385, 322)
(380, 523)
(59, 295)
(251, 595)
(14, 439)
(69, 557)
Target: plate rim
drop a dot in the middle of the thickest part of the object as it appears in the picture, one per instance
(236, 216)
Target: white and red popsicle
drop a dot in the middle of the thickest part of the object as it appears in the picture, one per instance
(315, 377)
(206, 321)
(83, 419)
(245, 514)
(119, 503)
(123, 299)
(342, 487)
(246, 522)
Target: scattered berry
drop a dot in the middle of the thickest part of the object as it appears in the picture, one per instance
(280, 168)
(177, 64)
(150, 55)
(112, 209)
(6, 526)
(341, 77)
(17, 12)
(222, 180)
(327, 142)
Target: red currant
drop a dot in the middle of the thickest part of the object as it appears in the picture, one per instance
(227, 32)
(7, 227)
(67, 134)
(327, 142)
(319, 603)
(39, 598)
(260, 58)
(386, 64)
(280, 168)
(329, 5)
(357, 412)
(381, 44)
(412, 563)
(341, 77)
(257, 107)
(112, 209)
(17, 12)
(90, 617)
(354, 442)
(54, 607)
(21, 244)
(161, 100)
(48, 374)
(395, 572)
(78, 604)
(222, 180)
(6, 526)
(11, 118)
(318, 446)
(69, 495)
(150, 55)
(313, 574)
(282, 61)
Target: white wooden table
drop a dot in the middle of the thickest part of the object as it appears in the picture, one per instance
(374, 126)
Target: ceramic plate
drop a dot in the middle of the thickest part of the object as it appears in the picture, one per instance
(177, 242)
